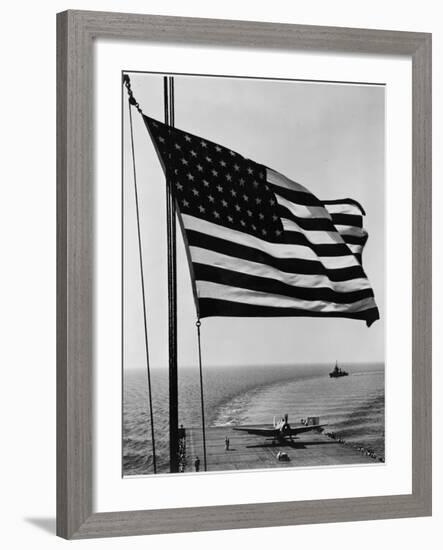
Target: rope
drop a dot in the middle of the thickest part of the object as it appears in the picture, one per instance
(202, 401)
(145, 321)
(169, 115)
(131, 98)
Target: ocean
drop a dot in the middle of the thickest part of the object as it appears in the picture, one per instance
(352, 406)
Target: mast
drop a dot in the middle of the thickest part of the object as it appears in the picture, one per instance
(168, 89)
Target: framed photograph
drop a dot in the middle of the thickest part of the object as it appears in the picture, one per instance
(244, 280)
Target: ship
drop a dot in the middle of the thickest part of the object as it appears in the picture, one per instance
(337, 372)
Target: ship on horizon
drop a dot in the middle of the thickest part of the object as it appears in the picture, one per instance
(337, 372)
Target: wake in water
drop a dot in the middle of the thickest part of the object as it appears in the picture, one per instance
(352, 407)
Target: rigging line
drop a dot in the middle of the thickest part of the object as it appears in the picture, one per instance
(145, 322)
(202, 401)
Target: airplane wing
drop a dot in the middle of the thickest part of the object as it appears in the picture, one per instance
(267, 432)
(303, 429)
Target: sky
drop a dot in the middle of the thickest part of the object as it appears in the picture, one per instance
(328, 137)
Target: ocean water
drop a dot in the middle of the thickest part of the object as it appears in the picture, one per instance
(352, 406)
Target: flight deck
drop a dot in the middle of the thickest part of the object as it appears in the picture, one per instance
(247, 451)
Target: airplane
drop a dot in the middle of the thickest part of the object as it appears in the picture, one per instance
(281, 430)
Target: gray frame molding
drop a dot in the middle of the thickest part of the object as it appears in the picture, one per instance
(76, 31)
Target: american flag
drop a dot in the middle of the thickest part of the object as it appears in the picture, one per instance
(260, 244)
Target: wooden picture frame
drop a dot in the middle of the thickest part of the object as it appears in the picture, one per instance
(76, 32)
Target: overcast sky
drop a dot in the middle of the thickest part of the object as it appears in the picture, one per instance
(328, 137)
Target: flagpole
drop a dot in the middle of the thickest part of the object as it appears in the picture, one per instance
(168, 89)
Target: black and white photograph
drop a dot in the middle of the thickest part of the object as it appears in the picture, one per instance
(253, 263)
(219, 312)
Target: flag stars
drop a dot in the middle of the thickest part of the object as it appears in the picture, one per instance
(216, 184)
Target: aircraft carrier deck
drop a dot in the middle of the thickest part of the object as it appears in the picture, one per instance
(257, 452)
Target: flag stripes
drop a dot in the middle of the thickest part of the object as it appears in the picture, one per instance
(211, 258)
(208, 289)
(209, 307)
(259, 243)
(314, 271)
(308, 224)
(344, 206)
(237, 278)
(347, 219)
(303, 253)
(280, 256)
